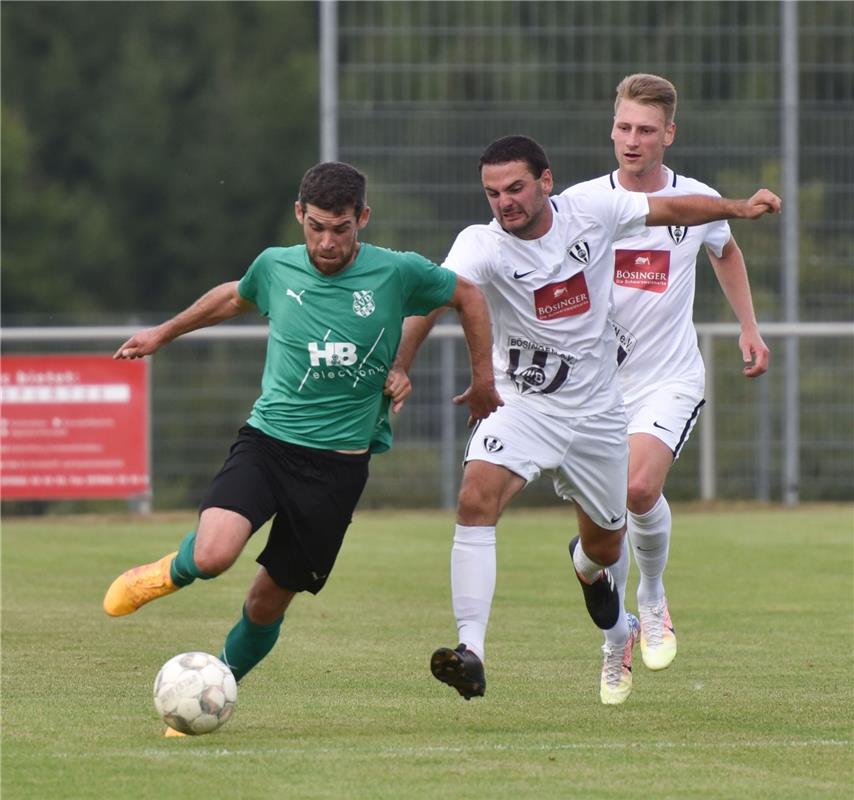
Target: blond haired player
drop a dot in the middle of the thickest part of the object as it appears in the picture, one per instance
(661, 371)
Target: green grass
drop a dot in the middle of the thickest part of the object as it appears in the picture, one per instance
(758, 703)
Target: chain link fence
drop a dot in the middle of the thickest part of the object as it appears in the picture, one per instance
(422, 87)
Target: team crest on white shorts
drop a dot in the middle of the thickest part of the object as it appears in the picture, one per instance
(363, 303)
(492, 444)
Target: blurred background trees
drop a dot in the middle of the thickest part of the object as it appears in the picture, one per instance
(152, 149)
(149, 150)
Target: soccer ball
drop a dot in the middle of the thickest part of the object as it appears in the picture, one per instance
(195, 693)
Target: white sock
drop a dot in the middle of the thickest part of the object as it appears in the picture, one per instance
(620, 573)
(585, 566)
(649, 535)
(473, 583)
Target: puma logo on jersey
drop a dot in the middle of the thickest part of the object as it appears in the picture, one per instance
(297, 297)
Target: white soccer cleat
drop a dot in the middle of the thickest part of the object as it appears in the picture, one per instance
(616, 683)
(658, 639)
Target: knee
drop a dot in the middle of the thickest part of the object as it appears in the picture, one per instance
(642, 495)
(605, 549)
(266, 608)
(212, 558)
(261, 612)
(220, 537)
(474, 507)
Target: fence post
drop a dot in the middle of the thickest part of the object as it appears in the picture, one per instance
(790, 248)
(763, 440)
(708, 489)
(447, 383)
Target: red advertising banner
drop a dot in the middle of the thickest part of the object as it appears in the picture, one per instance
(73, 426)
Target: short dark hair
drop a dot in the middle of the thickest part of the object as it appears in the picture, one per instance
(516, 148)
(333, 186)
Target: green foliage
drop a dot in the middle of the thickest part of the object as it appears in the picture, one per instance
(757, 704)
(150, 150)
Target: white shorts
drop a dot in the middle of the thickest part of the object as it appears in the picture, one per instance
(669, 413)
(588, 457)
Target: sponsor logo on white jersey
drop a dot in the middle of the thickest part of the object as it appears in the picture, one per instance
(363, 303)
(562, 299)
(647, 270)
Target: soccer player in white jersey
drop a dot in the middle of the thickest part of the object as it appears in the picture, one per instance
(547, 281)
(661, 370)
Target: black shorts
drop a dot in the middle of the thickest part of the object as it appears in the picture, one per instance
(312, 494)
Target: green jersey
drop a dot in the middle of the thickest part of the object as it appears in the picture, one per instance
(333, 339)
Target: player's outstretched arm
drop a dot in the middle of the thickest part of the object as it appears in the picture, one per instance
(697, 209)
(731, 273)
(220, 303)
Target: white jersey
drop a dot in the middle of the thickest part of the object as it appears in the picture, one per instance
(549, 298)
(654, 279)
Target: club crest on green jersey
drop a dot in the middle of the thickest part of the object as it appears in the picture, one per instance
(363, 303)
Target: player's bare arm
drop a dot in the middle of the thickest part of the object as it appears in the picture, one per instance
(217, 305)
(731, 273)
(468, 301)
(415, 331)
(698, 209)
(481, 396)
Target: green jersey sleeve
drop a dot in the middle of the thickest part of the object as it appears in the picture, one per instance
(255, 284)
(428, 286)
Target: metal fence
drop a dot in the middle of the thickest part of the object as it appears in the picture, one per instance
(413, 91)
(420, 88)
(203, 386)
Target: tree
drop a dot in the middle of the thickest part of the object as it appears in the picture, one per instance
(149, 149)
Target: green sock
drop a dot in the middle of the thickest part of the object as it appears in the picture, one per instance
(247, 643)
(183, 570)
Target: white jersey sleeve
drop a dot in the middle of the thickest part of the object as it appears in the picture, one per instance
(474, 255)
(654, 275)
(620, 214)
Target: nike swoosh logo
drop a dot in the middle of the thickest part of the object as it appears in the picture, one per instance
(616, 519)
(516, 275)
(656, 425)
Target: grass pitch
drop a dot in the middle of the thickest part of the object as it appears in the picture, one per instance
(757, 704)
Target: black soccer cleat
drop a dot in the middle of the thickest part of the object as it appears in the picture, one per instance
(461, 669)
(600, 597)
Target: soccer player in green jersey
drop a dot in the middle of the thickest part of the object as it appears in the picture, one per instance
(335, 308)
